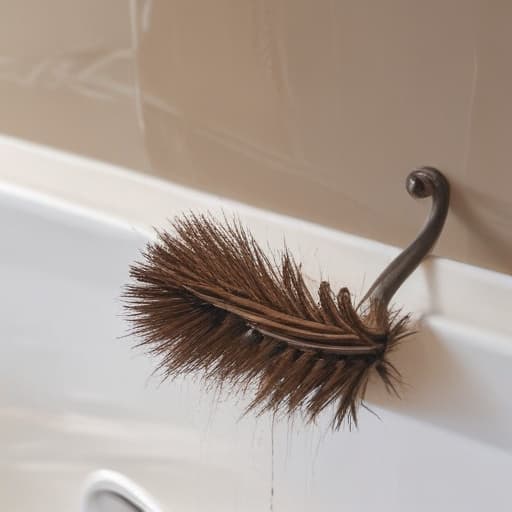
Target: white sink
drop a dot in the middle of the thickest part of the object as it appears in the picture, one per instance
(76, 398)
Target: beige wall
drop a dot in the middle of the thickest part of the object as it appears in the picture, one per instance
(320, 108)
(67, 77)
(314, 108)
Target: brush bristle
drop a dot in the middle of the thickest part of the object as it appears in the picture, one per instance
(206, 299)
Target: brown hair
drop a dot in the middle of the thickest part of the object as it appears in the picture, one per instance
(206, 299)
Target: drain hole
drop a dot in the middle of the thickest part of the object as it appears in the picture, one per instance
(109, 491)
(106, 501)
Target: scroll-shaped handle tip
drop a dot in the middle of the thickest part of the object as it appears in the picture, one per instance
(421, 183)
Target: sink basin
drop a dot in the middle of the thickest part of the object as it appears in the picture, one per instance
(76, 397)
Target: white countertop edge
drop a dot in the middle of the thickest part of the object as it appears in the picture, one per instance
(133, 201)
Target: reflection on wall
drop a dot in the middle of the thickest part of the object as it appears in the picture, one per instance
(67, 78)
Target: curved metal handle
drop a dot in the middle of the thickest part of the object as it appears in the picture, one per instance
(423, 182)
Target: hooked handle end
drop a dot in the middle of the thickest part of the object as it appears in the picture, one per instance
(421, 183)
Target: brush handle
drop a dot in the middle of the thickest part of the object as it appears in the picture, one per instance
(421, 183)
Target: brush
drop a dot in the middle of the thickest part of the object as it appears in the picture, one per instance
(207, 300)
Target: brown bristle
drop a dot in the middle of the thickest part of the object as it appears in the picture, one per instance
(208, 300)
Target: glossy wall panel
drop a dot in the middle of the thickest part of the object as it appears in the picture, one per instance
(319, 110)
(314, 108)
(67, 77)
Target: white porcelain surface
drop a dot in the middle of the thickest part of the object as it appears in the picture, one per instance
(75, 397)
